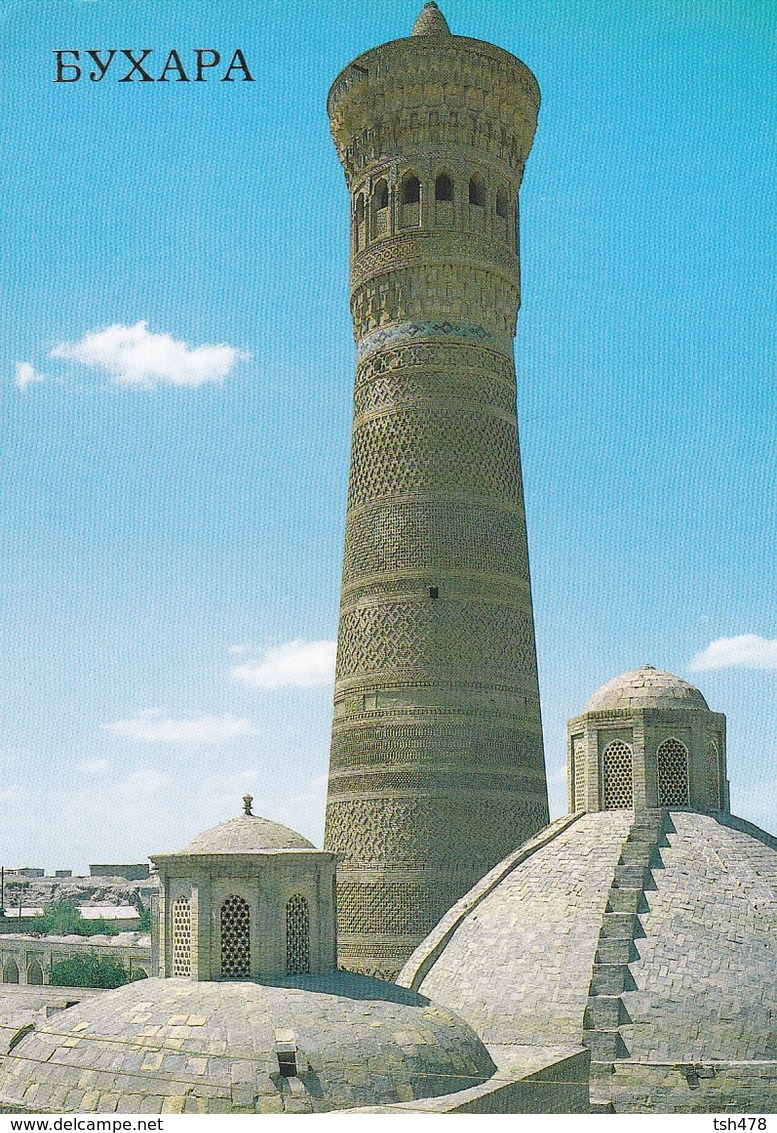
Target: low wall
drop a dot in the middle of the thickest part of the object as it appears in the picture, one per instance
(27, 959)
(709, 1087)
(527, 1080)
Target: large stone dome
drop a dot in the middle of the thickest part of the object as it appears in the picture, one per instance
(646, 688)
(247, 834)
(653, 938)
(173, 1046)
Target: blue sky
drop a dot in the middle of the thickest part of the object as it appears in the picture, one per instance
(177, 378)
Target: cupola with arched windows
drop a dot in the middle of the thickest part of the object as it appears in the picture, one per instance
(248, 899)
(647, 739)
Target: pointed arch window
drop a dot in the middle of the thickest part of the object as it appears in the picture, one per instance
(578, 772)
(380, 209)
(411, 190)
(10, 971)
(182, 937)
(672, 759)
(235, 938)
(477, 191)
(34, 973)
(410, 201)
(617, 773)
(297, 935)
(359, 225)
(443, 188)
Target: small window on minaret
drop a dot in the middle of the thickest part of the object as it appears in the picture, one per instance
(443, 188)
(501, 205)
(380, 200)
(411, 191)
(477, 192)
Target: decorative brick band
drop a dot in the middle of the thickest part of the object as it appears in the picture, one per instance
(408, 332)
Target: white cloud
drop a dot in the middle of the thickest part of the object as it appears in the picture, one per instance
(146, 781)
(295, 664)
(133, 355)
(303, 810)
(153, 727)
(748, 651)
(27, 375)
(559, 776)
(93, 766)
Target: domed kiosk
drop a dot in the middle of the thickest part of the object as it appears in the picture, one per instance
(247, 1011)
(247, 899)
(643, 923)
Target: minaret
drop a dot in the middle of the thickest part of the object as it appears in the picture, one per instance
(436, 768)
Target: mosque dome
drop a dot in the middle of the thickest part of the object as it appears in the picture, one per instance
(651, 937)
(248, 834)
(647, 687)
(173, 1046)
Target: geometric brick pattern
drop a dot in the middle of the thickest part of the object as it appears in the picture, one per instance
(417, 831)
(428, 536)
(468, 452)
(454, 640)
(421, 746)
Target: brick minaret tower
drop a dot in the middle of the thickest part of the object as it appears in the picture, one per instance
(436, 768)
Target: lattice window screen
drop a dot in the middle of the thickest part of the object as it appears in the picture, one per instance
(235, 938)
(297, 935)
(579, 773)
(617, 768)
(182, 937)
(672, 774)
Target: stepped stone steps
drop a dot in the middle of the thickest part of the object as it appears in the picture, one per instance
(633, 877)
(619, 926)
(627, 901)
(610, 979)
(605, 1012)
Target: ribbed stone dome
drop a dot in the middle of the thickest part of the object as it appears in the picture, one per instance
(248, 834)
(172, 1046)
(646, 688)
(651, 937)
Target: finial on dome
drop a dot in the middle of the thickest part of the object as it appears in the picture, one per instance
(649, 667)
(431, 21)
(247, 800)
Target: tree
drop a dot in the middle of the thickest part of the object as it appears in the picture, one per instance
(89, 969)
(63, 918)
